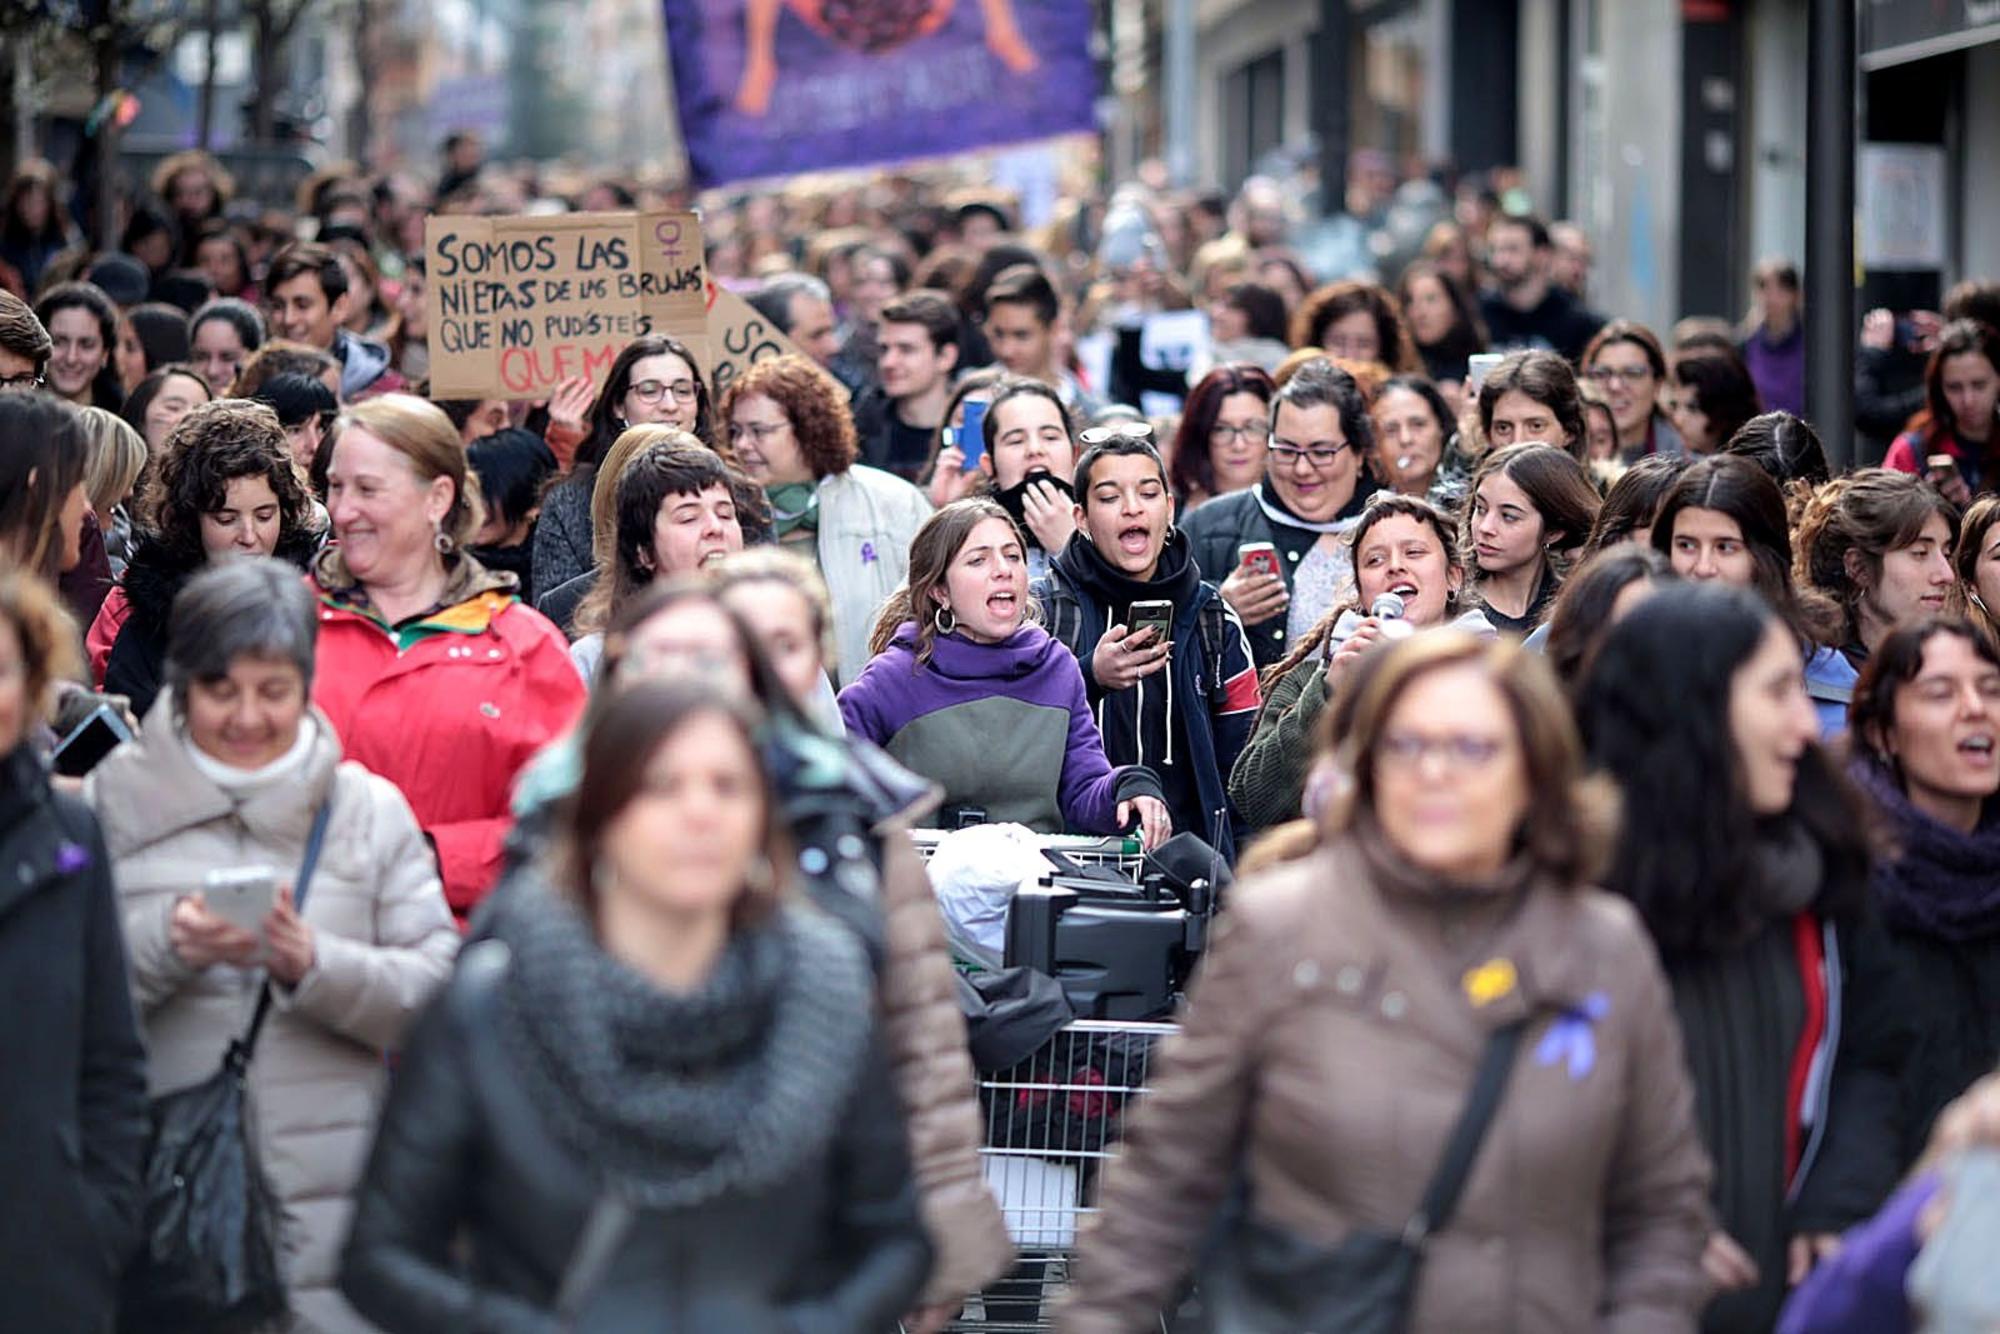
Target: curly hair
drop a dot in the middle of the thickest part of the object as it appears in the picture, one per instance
(212, 446)
(812, 401)
(1318, 312)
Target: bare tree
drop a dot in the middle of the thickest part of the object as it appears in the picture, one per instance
(272, 23)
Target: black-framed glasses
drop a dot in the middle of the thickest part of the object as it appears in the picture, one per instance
(1319, 456)
(25, 380)
(650, 392)
(1110, 431)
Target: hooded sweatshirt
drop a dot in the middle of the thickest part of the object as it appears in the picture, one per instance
(1004, 728)
(1185, 723)
(364, 367)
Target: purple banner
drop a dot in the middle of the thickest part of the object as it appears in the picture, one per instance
(778, 87)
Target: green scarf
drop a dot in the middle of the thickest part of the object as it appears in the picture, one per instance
(794, 510)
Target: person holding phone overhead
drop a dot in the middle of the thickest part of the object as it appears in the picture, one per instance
(231, 774)
(1296, 519)
(1166, 666)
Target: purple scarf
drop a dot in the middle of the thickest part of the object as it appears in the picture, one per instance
(1940, 883)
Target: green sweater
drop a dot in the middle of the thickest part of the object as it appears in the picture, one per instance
(1270, 774)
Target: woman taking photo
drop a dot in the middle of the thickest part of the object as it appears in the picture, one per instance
(791, 431)
(1331, 1040)
(1724, 522)
(1879, 543)
(1223, 434)
(653, 381)
(225, 486)
(1403, 548)
(1926, 729)
(1532, 508)
(73, 1125)
(672, 1071)
(1748, 861)
(1444, 323)
(965, 692)
(235, 769)
(1628, 366)
(83, 326)
(1314, 485)
(1712, 396)
(1961, 409)
(430, 670)
(1413, 425)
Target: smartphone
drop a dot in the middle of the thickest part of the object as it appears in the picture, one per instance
(1477, 367)
(1258, 558)
(972, 435)
(241, 895)
(1944, 465)
(1158, 616)
(102, 732)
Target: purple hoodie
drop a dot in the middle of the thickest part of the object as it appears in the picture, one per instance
(1003, 727)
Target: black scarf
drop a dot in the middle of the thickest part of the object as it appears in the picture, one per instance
(1015, 501)
(1940, 883)
(1174, 577)
(677, 1100)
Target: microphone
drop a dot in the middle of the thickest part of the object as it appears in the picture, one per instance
(1388, 608)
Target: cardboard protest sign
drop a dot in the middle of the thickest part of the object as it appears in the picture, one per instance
(739, 338)
(517, 305)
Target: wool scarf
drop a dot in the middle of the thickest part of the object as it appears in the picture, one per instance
(1941, 882)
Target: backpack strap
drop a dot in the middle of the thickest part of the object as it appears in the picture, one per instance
(247, 1044)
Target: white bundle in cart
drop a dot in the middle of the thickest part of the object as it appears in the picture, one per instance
(975, 873)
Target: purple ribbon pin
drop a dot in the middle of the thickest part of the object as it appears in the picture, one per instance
(71, 858)
(868, 553)
(1572, 1037)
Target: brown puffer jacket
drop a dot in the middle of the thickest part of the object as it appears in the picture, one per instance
(933, 1071)
(1328, 1047)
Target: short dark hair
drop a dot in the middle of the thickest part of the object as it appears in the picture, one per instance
(1026, 285)
(774, 299)
(163, 332)
(304, 257)
(513, 465)
(1542, 376)
(1116, 446)
(235, 312)
(21, 333)
(297, 398)
(1894, 663)
(1012, 387)
(933, 310)
(1722, 389)
(1261, 306)
(1538, 230)
(1321, 384)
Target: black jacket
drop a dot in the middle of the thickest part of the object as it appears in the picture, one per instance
(463, 1153)
(1560, 324)
(73, 1117)
(137, 666)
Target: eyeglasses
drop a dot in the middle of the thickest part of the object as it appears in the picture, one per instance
(1320, 456)
(1460, 752)
(1255, 432)
(758, 431)
(1110, 431)
(651, 391)
(25, 380)
(1629, 374)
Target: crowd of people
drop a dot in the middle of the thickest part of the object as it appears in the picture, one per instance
(1609, 781)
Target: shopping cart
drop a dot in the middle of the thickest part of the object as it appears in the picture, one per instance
(1051, 1124)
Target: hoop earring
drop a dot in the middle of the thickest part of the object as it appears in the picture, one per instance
(442, 540)
(940, 617)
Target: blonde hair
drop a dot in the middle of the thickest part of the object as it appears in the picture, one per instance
(421, 433)
(115, 456)
(775, 565)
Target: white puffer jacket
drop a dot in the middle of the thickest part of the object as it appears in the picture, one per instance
(383, 941)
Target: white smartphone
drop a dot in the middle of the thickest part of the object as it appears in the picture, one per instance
(241, 895)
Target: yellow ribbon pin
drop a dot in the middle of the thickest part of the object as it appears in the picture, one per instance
(1490, 981)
